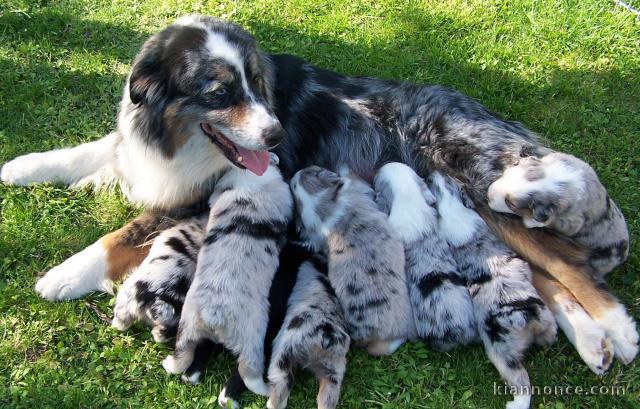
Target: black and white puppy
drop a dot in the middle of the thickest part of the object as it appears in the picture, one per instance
(338, 217)
(442, 307)
(510, 314)
(228, 299)
(313, 336)
(155, 291)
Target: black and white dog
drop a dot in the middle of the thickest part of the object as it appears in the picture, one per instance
(202, 97)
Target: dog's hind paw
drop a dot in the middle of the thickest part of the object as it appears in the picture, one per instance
(621, 329)
(226, 402)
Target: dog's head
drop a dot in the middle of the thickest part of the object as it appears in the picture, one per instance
(543, 191)
(204, 77)
(316, 192)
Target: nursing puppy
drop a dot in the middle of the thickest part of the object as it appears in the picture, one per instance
(510, 314)
(338, 217)
(313, 336)
(563, 193)
(228, 299)
(155, 291)
(442, 308)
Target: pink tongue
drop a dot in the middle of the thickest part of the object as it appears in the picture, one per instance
(256, 161)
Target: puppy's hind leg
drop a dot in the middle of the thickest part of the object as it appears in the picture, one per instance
(330, 376)
(204, 351)
(66, 166)
(188, 338)
(281, 379)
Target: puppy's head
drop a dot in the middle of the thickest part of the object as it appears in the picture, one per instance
(203, 77)
(541, 191)
(316, 192)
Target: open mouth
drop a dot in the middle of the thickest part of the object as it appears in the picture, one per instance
(254, 161)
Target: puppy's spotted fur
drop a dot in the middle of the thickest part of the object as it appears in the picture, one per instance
(442, 307)
(338, 216)
(313, 336)
(155, 291)
(510, 314)
(228, 299)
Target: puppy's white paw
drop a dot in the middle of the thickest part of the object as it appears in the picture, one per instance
(271, 405)
(119, 324)
(24, 170)
(82, 273)
(519, 402)
(169, 365)
(193, 379)
(256, 385)
(226, 402)
(621, 329)
(595, 349)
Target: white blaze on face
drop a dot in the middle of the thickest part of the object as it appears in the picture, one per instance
(258, 118)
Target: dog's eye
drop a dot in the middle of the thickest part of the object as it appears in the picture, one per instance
(220, 92)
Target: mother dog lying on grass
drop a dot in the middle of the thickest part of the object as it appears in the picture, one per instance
(201, 97)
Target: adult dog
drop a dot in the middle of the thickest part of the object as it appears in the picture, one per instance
(201, 97)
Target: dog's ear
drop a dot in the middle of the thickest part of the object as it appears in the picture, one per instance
(148, 80)
(544, 207)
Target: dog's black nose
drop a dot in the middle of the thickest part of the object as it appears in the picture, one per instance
(273, 135)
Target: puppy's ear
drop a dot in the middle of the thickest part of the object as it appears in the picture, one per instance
(148, 80)
(335, 189)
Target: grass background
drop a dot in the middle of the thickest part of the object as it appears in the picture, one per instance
(569, 70)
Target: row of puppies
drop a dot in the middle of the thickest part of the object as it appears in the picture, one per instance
(245, 272)
(446, 252)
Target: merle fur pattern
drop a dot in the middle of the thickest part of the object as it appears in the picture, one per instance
(154, 293)
(228, 299)
(441, 304)
(338, 217)
(510, 314)
(313, 336)
(563, 193)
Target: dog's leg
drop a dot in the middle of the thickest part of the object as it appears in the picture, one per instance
(66, 166)
(330, 376)
(230, 394)
(586, 335)
(251, 372)
(188, 338)
(568, 264)
(108, 259)
(281, 379)
(204, 351)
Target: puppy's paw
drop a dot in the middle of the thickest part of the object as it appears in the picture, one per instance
(78, 275)
(24, 170)
(621, 329)
(271, 404)
(226, 402)
(596, 351)
(119, 324)
(519, 402)
(169, 365)
(192, 378)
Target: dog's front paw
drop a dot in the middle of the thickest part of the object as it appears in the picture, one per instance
(621, 329)
(82, 273)
(24, 170)
(519, 402)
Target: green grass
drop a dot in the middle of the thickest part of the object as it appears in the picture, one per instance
(567, 69)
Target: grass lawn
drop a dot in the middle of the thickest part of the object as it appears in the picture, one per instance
(569, 70)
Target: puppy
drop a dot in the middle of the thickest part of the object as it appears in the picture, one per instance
(510, 314)
(338, 217)
(312, 336)
(442, 307)
(155, 291)
(228, 299)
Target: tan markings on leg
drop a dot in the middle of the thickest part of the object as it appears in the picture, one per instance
(554, 294)
(565, 261)
(128, 246)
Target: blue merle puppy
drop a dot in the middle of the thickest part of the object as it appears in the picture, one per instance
(313, 336)
(228, 299)
(155, 291)
(339, 217)
(510, 314)
(442, 307)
